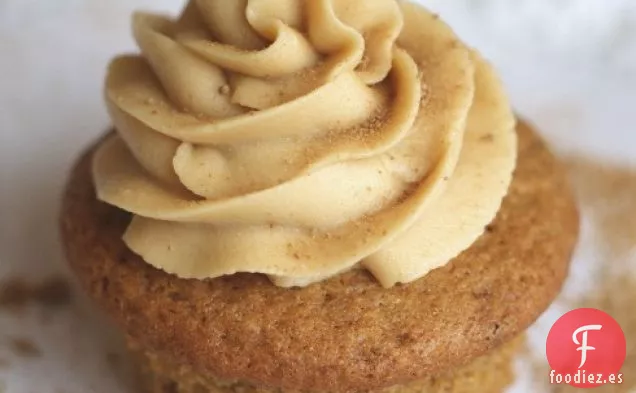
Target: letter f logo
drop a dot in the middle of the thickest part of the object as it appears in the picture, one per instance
(583, 344)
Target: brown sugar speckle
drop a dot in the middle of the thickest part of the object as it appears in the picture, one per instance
(424, 99)
(25, 348)
(360, 133)
(225, 90)
(487, 138)
(364, 63)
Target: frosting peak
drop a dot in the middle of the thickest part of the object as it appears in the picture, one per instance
(300, 139)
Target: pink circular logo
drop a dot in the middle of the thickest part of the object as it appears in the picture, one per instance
(586, 348)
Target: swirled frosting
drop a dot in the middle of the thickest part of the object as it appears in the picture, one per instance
(303, 138)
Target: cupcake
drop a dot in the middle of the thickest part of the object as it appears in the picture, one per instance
(317, 195)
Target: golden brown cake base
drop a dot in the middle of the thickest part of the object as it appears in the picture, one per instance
(346, 333)
(490, 373)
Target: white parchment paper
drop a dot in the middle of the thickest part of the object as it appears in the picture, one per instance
(569, 65)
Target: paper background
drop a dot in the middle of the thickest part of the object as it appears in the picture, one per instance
(569, 65)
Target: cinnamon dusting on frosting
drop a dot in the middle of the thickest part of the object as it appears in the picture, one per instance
(244, 133)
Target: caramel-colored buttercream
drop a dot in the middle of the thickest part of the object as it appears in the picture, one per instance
(300, 139)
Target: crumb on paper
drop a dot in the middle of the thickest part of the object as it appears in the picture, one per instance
(25, 348)
(607, 196)
(617, 299)
(609, 193)
(17, 293)
(113, 359)
(14, 293)
(53, 292)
